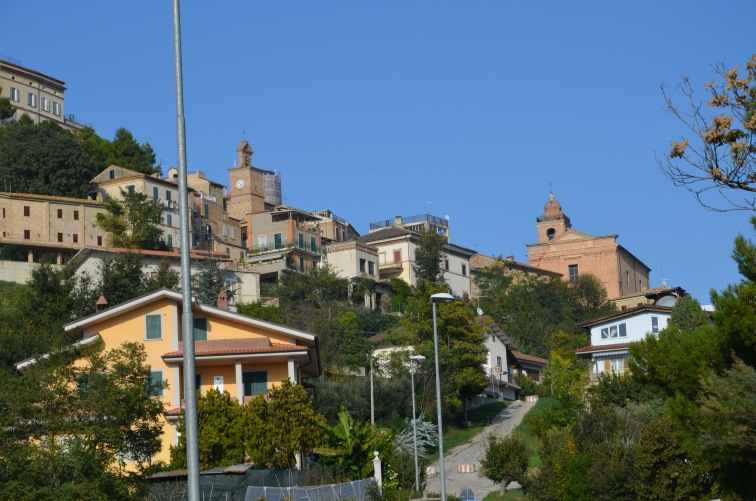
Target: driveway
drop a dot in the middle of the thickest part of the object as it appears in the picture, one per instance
(471, 454)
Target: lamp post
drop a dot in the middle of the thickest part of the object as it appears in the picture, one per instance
(441, 297)
(413, 359)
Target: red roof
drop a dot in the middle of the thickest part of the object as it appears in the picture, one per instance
(236, 347)
(529, 358)
(604, 347)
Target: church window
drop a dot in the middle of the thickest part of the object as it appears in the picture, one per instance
(573, 273)
(551, 233)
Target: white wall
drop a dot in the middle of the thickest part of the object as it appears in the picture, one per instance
(637, 326)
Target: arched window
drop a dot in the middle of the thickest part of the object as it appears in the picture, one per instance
(551, 233)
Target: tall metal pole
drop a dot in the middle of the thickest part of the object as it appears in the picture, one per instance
(414, 424)
(187, 317)
(438, 407)
(372, 394)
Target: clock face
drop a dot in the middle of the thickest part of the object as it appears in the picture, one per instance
(239, 184)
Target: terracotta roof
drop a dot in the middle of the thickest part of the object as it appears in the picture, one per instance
(236, 347)
(605, 347)
(51, 198)
(529, 358)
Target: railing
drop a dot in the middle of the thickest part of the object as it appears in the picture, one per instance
(595, 377)
(411, 219)
(390, 265)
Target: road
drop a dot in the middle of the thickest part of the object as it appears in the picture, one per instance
(471, 454)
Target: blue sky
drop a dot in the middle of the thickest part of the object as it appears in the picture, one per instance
(376, 109)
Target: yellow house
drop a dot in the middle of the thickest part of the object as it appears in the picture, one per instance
(239, 354)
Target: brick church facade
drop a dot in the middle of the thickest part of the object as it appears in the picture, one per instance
(563, 250)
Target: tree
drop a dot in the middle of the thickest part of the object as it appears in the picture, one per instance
(122, 277)
(68, 428)
(123, 151)
(6, 108)
(209, 281)
(165, 277)
(506, 460)
(132, 221)
(269, 313)
(44, 159)
(221, 432)
(428, 256)
(719, 157)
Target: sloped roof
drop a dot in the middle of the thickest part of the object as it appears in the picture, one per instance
(385, 234)
(530, 358)
(605, 347)
(205, 348)
(645, 308)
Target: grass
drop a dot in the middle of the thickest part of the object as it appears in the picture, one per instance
(509, 496)
(525, 430)
(479, 418)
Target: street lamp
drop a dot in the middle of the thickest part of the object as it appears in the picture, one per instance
(413, 359)
(441, 297)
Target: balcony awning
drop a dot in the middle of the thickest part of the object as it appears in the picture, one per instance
(219, 351)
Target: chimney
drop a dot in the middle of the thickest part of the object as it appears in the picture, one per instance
(398, 221)
(223, 300)
(101, 305)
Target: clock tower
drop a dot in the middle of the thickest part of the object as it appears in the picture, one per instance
(246, 185)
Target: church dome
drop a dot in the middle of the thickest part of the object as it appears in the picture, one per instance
(552, 211)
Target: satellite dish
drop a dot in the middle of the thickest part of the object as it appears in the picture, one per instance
(446, 217)
(480, 312)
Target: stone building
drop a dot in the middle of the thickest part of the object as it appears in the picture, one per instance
(572, 253)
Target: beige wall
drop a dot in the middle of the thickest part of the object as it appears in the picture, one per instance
(42, 87)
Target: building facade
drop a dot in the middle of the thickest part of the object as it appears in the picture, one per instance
(563, 250)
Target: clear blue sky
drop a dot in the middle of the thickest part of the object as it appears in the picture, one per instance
(375, 109)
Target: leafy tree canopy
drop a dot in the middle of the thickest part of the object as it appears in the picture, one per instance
(429, 255)
(124, 151)
(6, 108)
(132, 221)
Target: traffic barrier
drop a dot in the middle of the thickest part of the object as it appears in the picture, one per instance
(466, 468)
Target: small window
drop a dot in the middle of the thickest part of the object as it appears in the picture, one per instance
(233, 233)
(362, 265)
(446, 264)
(371, 268)
(99, 241)
(551, 234)
(313, 244)
(156, 383)
(464, 270)
(300, 240)
(573, 273)
(207, 211)
(314, 263)
(169, 241)
(277, 240)
(131, 188)
(153, 327)
(27, 234)
(75, 238)
(60, 213)
(56, 109)
(15, 94)
(27, 211)
(155, 194)
(301, 265)
(398, 256)
(60, 237)
(31, 100)
(225, 229)
(76, 215)
(498, 362)
(112, 173)
(168, 195)
(169, 220)
(45, 104)
(655, 325)
(200, 329)
(82, 383)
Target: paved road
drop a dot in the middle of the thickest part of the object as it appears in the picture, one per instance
(471, 453)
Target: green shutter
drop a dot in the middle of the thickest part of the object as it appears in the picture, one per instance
(200, 329)
(154, 327)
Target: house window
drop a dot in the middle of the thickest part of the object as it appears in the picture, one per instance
(362, 265)
(15, 94)
(618, 366)
(573, 273)
(314, 263)
(76, 215)
(27, 234)
(169, 241)
(112, 173)
(31, 100)
(75, 238)
(60, 237)
(614, 331)
(464, 270)
(60, 213)
(200, 329)
(233, 233)
(156, 383)
(371, 268)
(627, 278)
(56, 109)
(82, 383)
(225, 229)
(300, 240)
(255, 383)
(99, 241)
(398, 256)
(498, 362)
(168, 195)
(655, 325)
(301, 265)
(131, 188)
(277, 240)
(198, 382)
(446, 264)
(155, 192)
(313, 244)
(153, 327)
(27, 211)
(169, 220)
(45, 104)
(207, 211)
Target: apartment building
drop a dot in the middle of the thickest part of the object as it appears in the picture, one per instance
(35, 94)
(39, 226)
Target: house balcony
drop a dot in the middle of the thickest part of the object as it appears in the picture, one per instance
(595, 377)
(390, 266)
